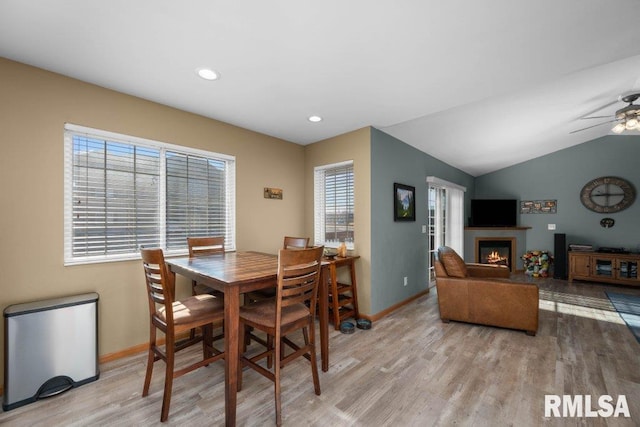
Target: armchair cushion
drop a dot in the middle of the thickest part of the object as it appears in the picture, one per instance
(453, 263)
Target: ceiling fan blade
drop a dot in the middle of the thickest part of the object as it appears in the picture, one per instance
(589, 127)
(596, 117)
(599, 109)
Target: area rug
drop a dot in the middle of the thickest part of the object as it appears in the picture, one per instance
(628, 307)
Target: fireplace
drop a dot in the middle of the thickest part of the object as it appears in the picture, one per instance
(516, 235)
(497, 251)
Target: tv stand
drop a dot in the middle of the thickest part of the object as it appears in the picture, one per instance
(606, 267)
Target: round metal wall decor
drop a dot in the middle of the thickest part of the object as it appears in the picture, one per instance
(607, 194)
(607, 222)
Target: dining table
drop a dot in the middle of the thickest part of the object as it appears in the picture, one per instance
(233, 274)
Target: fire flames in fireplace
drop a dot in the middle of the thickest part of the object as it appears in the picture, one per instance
(496, 251)
(494, 257)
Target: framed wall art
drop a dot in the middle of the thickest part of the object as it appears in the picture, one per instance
(404, 203)
(538, 206)
(273, 193)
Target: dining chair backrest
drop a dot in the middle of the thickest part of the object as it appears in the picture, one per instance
(295, 242)
(158, 281)
(289, 243)
(199, 246)
(298, 277)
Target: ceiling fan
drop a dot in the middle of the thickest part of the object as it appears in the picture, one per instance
(628, 118)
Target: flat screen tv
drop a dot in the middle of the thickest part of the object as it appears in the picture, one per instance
(493, 213)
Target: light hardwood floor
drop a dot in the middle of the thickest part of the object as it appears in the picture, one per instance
(410, 369)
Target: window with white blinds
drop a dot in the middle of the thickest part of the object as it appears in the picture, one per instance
(123, 192)
(333, 205)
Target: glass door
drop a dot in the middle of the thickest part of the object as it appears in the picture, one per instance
(446, 218)
(437, 225)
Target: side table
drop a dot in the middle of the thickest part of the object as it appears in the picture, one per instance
(343, 297)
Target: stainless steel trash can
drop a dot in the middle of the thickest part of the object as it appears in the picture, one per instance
(50, 347)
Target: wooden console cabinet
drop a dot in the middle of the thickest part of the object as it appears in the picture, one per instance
(604, 267)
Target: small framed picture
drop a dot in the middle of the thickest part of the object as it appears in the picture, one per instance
(272, 193)
(404, 203)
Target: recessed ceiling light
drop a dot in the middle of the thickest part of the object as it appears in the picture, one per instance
(315, 119)
(208, 73)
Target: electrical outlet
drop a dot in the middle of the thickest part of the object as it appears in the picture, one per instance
(405, 280)
(551, 226)
(424, 229)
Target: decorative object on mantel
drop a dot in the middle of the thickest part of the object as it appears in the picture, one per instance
(538, 206)
(607, 222)
(404, 203)
(273, 193)
(536, 263)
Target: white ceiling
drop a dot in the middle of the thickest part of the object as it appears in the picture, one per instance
(480, 85)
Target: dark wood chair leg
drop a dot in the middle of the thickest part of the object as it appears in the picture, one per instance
(310, 341)
(270, 347)
(207, 341)
(276, 382)
(150, 362)
(168, 378)
(192, 333)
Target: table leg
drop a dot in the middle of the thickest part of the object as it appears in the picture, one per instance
(354, 289)
(231, 342)
(324, 318)
(335, 298)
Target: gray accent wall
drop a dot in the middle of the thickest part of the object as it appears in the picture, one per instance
(561, 176)
(400, 249)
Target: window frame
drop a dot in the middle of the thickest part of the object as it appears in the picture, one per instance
(71, 130)
(319, 234)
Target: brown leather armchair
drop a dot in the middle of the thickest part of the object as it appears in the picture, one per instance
(483, 294)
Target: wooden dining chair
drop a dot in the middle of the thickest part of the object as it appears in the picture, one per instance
(289, 243)
(295, 242)
(294, 308)
(174, 318)
(202, 246)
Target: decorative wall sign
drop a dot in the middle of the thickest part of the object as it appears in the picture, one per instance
(404, 203)
(538, 206)
(273, 193)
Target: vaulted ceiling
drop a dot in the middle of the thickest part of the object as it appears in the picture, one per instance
(480, 85)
